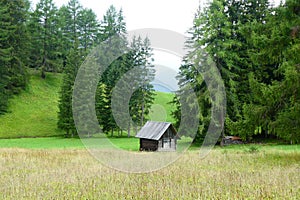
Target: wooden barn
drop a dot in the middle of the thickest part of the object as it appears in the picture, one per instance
(157, 136)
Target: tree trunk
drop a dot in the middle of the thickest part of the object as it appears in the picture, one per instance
(45, 48)
(222, 139)
(128, 130)
(223, 130)
(142, 114)
(43, 73)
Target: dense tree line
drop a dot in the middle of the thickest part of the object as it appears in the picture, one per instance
(139, 55)
(40, 38)
(52, 39)
(55, 30)
(256, 49)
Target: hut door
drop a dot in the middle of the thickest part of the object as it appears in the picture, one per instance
(166, 140)
(166, 143)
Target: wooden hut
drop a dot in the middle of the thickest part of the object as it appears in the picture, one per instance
(157, 136)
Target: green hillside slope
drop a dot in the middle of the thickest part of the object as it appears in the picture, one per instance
(161, 109)
(33, 113)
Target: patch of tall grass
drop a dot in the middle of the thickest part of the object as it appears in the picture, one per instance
(74, 174)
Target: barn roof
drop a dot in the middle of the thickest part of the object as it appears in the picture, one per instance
(154, 130)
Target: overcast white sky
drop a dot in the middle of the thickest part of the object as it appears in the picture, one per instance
(175, 15)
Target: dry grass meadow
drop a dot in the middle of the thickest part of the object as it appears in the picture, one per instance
(224, 174)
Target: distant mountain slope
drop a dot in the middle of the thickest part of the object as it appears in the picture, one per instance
(161, 88)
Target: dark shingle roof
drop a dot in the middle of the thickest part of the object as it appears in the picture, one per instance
(153, 130)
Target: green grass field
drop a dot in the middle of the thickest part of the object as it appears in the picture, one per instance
(130, 144)
(42, 143)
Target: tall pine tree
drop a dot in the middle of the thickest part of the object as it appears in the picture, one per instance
(13, 48)
(65, 115)
(45, 32)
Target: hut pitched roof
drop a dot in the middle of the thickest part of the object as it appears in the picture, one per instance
(153, 130)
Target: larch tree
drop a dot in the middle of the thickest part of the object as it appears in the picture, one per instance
(89, 28)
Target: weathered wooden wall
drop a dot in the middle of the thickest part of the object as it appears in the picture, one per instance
(170, 146)
(148, 145)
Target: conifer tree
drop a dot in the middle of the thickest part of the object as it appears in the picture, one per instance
(65, 115)
(111, 26)
(143, 97)
(274, 83)
(13, 49)
(73, 12)
(45, 34)
(220, 30)
(89, 28)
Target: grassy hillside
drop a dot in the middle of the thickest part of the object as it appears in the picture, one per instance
(161, 109)
(33, 113)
